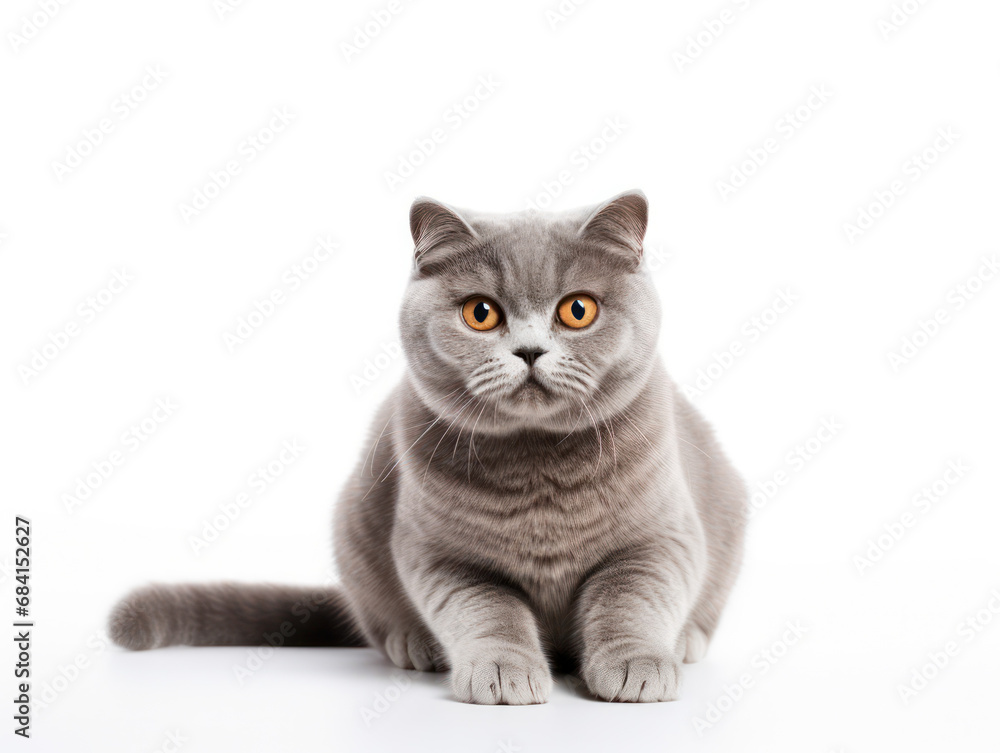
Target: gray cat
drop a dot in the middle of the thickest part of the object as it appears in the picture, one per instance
(536, 489)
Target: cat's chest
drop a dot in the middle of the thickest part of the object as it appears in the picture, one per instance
(544, 531)
(540, 512)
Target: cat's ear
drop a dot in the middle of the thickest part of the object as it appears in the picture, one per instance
(619, 224)
(437, 230)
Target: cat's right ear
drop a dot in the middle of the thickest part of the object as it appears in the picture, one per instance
(620, 224)
(437, 230)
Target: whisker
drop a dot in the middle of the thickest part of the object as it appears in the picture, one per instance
(371, 452)
(571, 430)
(493, 390)
(472, 444)
(695, 446)
(385, 474)
(447, 429)
(402, 429)
(581, 367)
(574, 385)
(644, 439)
(403, 455)
(454, 452)
(600, 444)
(614, 451)
(483, 378)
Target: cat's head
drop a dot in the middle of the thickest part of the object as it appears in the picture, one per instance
(540, 320)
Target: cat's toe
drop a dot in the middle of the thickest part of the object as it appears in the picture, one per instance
(509, 679)
(414, 649)
(640, 679)
(696, 644)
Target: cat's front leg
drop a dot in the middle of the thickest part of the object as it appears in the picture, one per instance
(631, 615)
(489, 635)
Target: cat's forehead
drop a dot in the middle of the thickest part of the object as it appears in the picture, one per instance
(528, 226)
(531, 257)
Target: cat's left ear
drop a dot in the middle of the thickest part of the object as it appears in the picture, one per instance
(619, 224)
(437, 230)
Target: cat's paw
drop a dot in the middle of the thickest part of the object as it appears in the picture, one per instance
(636, 679)
(506, 677)
(415, 649)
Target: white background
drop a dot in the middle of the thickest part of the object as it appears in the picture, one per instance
(717, 261)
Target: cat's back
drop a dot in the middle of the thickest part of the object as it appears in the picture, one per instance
(714, 481)
(366, 508)
(719, 493)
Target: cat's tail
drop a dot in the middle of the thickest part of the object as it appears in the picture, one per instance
(233, 614)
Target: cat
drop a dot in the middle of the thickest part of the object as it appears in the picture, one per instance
(535, 492)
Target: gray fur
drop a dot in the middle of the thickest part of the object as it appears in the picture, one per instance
(507, 516)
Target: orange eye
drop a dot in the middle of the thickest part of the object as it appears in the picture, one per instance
(577, 311)
(481, 313)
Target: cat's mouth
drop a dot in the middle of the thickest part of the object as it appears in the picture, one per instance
(533, 396)
(532, 383)
(532, 390)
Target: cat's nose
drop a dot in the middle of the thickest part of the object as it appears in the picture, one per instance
(530, 355)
